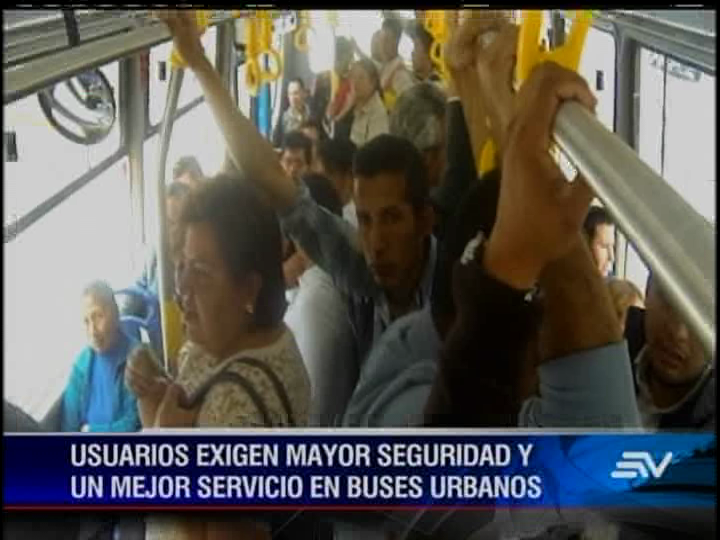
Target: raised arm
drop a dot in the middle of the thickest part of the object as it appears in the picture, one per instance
(539, 217)
(250, 151)
(584, 371)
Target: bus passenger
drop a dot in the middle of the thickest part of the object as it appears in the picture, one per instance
(95, 398)
(394, 76)
(390, 274)
(370, 117)
(187, 171)
(339, 109)
(534, 242)
(297, 112)
(600, 234)
(419, 116)
(675, 378)
(319, 320)
(297, 154)
(336, 159)
(231, 287)
(313, 130)
(423, 66)
(625, 294)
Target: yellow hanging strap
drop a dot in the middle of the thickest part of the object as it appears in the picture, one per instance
(530, 54)
(301, 32)
(202, 19)
(272, 72)
(437, 27)
(568, 55)
(252, 49)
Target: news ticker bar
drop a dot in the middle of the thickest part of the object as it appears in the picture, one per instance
(376, 470)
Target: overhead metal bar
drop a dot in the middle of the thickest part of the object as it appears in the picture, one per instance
(686, 43)
(12, 230)
(29, 42)
(674, 240)
(30, 77)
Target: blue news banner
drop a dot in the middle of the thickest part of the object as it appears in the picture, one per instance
(369, 470)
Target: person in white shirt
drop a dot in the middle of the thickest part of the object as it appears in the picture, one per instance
(318, 318)
(370, 116)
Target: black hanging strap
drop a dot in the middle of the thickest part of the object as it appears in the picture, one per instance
(71, 27)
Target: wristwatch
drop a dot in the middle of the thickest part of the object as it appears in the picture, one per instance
(473, 256)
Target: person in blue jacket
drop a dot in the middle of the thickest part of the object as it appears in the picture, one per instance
(95, 398)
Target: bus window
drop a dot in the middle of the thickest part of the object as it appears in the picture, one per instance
(597, 66)
(359, 25)
(196, 134)
(84, 238)
(689, 136)
(648, 139)
(676, 134)
(47, 161)
(190, 89)
(321, 43)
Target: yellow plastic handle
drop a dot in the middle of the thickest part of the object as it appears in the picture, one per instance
(301, 39)
(202, 19)
(251, 37)
(301, 32)
(252, 76)
(488, 157)
(530, 54)
(172, 320)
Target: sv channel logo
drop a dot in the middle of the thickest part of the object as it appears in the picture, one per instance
(640, 464)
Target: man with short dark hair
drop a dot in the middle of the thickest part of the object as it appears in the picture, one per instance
(335, 157)
(599, 230)
(187, 171)
(296, 155)
(675, 378)
(96, 398)
(297, 112)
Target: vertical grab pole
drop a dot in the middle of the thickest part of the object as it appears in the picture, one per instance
(169, 311)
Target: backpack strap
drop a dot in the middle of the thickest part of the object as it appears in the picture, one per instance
(276, 382)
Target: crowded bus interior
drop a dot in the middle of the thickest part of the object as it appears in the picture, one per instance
(359, 219)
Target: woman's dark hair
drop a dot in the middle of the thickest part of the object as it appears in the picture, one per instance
(369, 67)
(248, 234)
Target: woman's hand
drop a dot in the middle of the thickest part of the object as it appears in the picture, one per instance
(145, 379)
(185, 33)
(171, 414)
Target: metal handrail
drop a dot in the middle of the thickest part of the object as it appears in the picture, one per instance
(164, 266)
(674, 240)
(25, 79)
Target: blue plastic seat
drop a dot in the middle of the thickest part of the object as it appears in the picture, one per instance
(150, 323)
